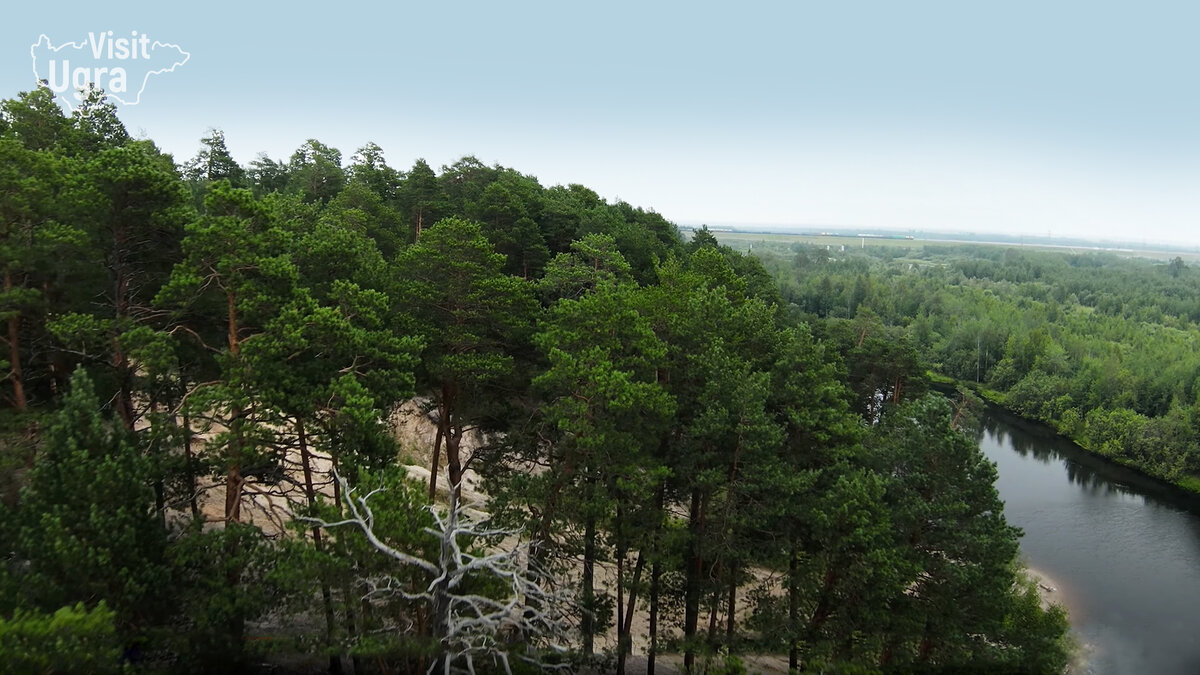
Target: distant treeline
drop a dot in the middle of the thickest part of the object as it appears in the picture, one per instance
(1102, 347)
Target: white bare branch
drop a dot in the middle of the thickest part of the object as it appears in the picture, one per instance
(534, 613)
(362, 516)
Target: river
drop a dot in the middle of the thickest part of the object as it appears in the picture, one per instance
(1124, 549)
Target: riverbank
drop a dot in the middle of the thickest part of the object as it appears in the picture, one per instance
(1053, 593)
(1188, 484)
(1050, 591)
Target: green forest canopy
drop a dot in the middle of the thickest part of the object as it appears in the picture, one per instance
(183, 339)
(1102, 347)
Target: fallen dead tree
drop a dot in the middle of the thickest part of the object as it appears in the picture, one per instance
(529, 619)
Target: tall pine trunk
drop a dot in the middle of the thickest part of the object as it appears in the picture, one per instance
(454, 465)
(124, 399)
(437, 455)
(14, 352)
(731, 617)
(793, 606)
(714, 605)
(695, 569)
(652, 650)
(631, 603)
(588, 625)
(190, 465)
(621, 551)
(233, 476)
(120, 360)
(335, 660)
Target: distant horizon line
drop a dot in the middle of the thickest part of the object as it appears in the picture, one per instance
(965, 236)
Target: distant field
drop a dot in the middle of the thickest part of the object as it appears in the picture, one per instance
(744, 240)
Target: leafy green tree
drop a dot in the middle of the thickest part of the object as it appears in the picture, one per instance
(420, 197)
(267, 175)
(563, 209)
(135, 206)
(464, 182)
(37, 121)
(604, 411)
(644, 237)
(471, 315)
(360, 211)
(213, 162)
(1176, 267)
(227, 577)
(38, 239)
(506, 208)
(825, 495)
(330, 369)
(883, 365)
(845, 570)
(949, 520)
(97, 124)
(1034, 639)
(725, 444)
(719, 349)
(71, 640)
(370, 169)
(86, 527)
(593, 261)
(755, 281)
(27, 241)
(236, 275)
(315, 172)
(336, 248)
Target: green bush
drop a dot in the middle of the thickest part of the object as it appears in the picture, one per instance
(71, 640)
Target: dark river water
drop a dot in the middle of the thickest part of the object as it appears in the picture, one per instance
(1123, 549)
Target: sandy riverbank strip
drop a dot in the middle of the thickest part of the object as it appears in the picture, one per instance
(1050, 590)
(1053, 594)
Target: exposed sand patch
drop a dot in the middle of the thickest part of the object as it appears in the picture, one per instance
(1052, 593)
(1049, 589)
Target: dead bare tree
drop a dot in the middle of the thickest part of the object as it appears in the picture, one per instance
(533, 613)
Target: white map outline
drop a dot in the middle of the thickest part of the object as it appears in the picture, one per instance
(80, 45)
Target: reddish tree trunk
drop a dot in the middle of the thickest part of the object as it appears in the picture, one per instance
(124, 401)
(627, 629)
(231, 306)
(620, 601)
(120, 361)
(190, 464)
(824, 607)
(695, 568)
(233, 477)
(437, 455)
(454, 466)
(233, 494)
(652, 650)
(794, 607)
(14, 352)
(589, 587)
(731, 618)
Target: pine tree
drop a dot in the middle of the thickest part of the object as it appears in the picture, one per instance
(86, 523)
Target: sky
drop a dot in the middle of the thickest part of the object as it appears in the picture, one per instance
(1034, 118)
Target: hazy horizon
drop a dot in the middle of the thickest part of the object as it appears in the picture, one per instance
(950, 234)
(1074, 119)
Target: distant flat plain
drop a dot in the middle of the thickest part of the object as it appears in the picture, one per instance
(743, 240)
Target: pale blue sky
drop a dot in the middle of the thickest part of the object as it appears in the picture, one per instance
(1078, 118)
